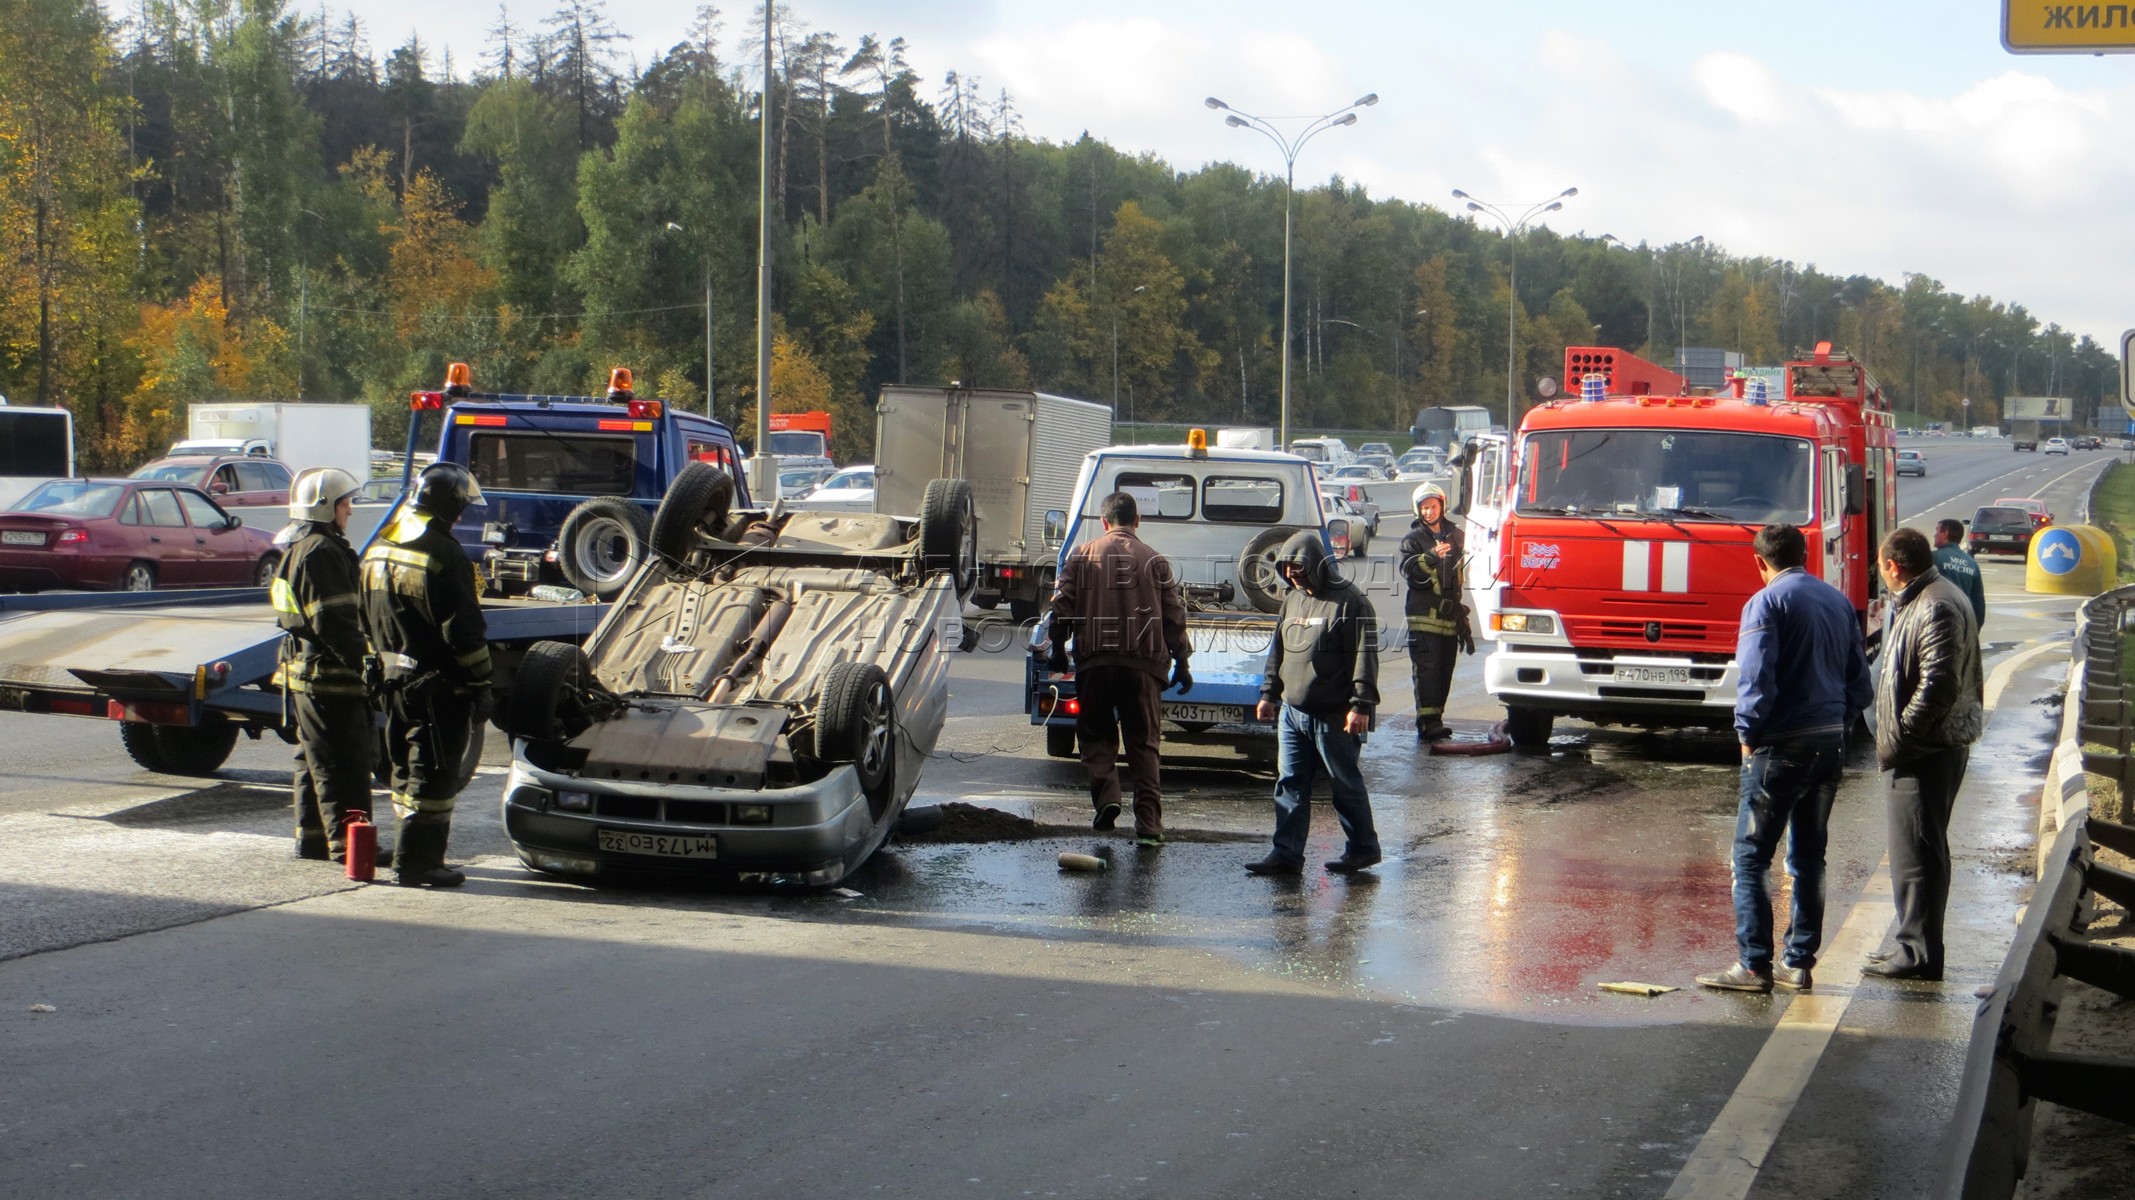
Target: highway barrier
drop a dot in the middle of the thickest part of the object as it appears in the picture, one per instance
(2009, 1067)
(2070, 560)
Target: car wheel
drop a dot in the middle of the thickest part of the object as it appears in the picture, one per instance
(1257, 576)
(1528, 728)
(949, 533)
(699, 498)
(263, 575)
(1060, 741)
(601, 544)
(547, 694)
(178, 749)
(855, 723)
(139, 577)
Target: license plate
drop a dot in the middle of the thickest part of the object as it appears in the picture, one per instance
(1653, 674)
(623, 841)
(21, 537)
(1209, 714)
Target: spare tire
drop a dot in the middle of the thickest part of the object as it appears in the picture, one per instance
(949, 533)
(699, 499)
(1258, 579)
(547, 693)
(601, 544)
(856, 723)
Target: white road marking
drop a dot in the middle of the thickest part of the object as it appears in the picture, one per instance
(1725, 1163)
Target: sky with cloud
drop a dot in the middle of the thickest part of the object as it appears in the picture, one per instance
(1871, 136)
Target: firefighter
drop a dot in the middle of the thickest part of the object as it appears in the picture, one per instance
(1431, 556)
(316, 602)
(425, 618)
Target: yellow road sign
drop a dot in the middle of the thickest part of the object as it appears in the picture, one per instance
(2067, 27)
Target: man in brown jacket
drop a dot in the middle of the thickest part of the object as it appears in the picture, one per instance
(1118, 605)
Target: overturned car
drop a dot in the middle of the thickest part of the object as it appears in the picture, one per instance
(758, 701)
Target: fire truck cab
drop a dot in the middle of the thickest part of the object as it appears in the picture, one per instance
(1611, 534)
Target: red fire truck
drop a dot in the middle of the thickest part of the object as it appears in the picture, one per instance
(1611, 535)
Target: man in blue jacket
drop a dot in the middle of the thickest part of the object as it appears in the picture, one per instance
(1804, 682)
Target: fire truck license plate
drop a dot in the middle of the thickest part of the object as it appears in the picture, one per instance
(619, 841)
(1653, 674)
(1211, 714)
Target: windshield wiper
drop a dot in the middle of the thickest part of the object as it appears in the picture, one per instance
(1704, 513)
(1549, 510)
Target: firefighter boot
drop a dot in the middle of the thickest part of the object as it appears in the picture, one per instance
(421, 860)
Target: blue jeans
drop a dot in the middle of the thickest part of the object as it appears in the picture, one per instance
(1305, 746)
(1787, 788)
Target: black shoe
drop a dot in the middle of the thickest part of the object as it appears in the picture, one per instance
(437, 877)
(1350, 864)
(1271, 865)
(313, 849)
(1893, 969)
(1436, 733)
(1107, 816)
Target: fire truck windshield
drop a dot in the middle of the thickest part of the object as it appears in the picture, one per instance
(1667, 474)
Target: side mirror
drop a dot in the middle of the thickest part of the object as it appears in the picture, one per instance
(218, 488)
(1055, 525)
(1856, 490)
(232, 522)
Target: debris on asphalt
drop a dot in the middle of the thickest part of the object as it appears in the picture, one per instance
(846, 893)
(1072, 861)
(1639, 989)
(42, 1008)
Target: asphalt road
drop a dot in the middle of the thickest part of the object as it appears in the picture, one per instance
(230, 1022)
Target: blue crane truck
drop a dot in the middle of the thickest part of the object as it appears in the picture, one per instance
(184, 674)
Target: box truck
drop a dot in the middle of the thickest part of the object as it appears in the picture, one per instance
(1018, 450)
(36, 444)
(297, 435)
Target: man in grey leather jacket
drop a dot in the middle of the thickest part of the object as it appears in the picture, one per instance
(1929, 711)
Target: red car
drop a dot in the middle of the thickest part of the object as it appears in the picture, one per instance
(2041, 517)
(234, 481)
(130, 535)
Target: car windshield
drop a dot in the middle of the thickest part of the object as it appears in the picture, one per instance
(1667, 474)
(73, 498)
(173, 471)
(1908, 454)
(1989, 520)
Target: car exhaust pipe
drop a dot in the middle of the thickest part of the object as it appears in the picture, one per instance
(752, 651)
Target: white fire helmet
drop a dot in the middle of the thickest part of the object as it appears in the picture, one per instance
(317, 491)
(1427, 491)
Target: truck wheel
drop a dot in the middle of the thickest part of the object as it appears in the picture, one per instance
(856, 723)
(949, 533)
(1528, 728)
(702, 495)
(1022, 611)
(178, 749)
(601, 544)
(1257, 577)
(1060, 741)
(545, 693)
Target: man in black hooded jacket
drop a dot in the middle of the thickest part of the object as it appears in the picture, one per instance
(1321, 687)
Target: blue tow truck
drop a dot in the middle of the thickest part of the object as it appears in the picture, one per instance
(186, 673)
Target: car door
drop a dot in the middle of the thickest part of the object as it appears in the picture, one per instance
(1483, 506)
(169, 541)
(223, 554)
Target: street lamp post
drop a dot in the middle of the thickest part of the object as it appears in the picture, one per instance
(674, 228)
(1513, 229)
(1346, 115)
(1115, 350)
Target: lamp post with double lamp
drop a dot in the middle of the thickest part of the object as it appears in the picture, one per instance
(1289, 146)
(674, 228)
(1514, 227)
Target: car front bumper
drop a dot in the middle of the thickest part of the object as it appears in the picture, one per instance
(1561, 682)
(817, 834)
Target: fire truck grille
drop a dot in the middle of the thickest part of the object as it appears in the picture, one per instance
(1671, 631)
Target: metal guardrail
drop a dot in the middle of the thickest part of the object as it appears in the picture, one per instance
(2009, 1068)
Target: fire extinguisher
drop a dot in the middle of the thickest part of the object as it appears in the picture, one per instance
(360, 838)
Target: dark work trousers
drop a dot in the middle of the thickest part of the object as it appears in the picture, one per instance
(1120, 704)
(333, 766)
(435, 740)
(1922, 792)
(1431, 659)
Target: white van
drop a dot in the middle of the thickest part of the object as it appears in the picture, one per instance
(1331, 451)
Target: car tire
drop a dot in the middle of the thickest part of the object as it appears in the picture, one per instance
(547, 693)
(949, 533)
(179, 749)
(1023, 612)
(1060, 741)
(1258, 580)
(1528, 728)
(601, 545)
(700, 497)
(139, 577)
(263, 574)
(856, 722)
